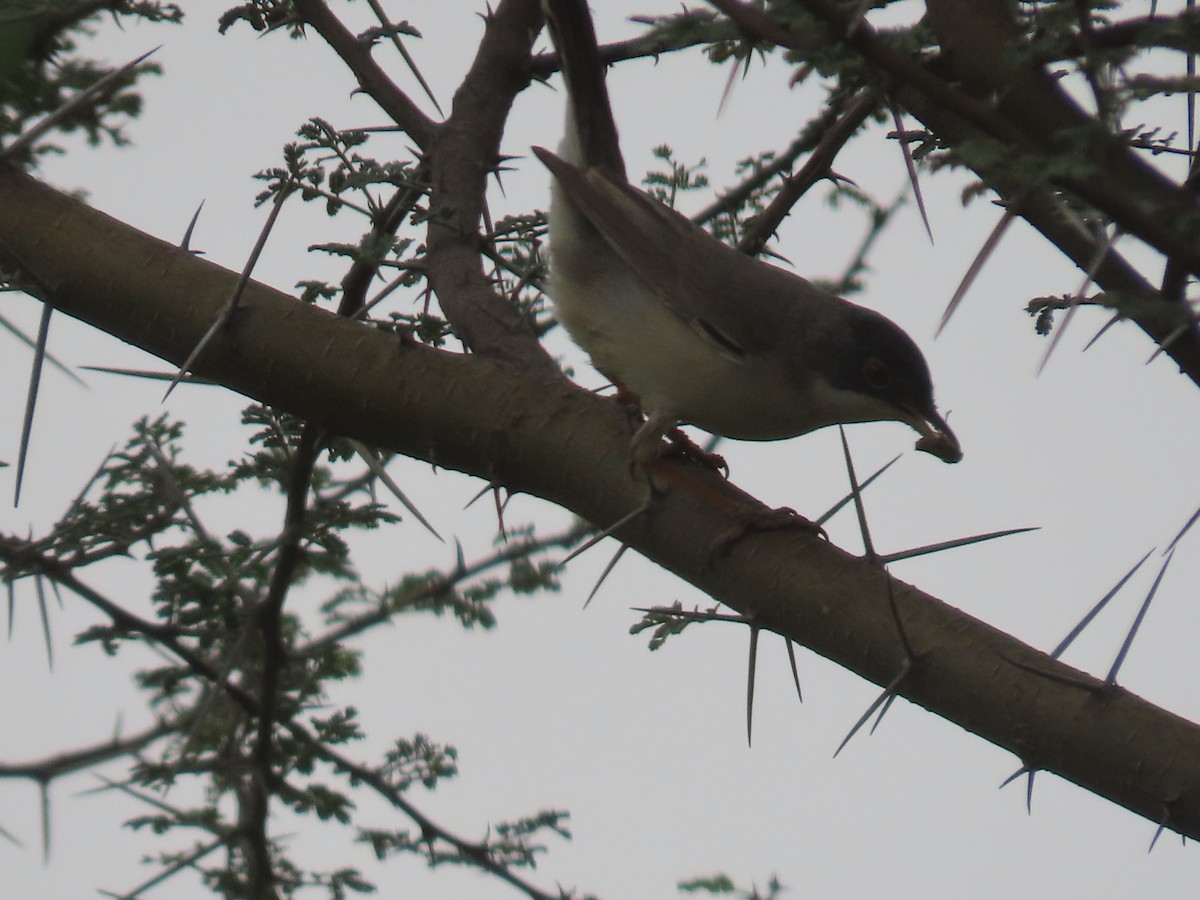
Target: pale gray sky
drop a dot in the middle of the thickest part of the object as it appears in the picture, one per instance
(561, 707)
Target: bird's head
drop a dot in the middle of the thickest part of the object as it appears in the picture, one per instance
(875, 360)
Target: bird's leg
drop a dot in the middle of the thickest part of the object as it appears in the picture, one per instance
(645, 441)
(646, 445)
(654, 427)
(678, 443)
(645, 451)
(629, 401)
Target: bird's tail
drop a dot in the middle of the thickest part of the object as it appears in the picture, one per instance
(591, 133)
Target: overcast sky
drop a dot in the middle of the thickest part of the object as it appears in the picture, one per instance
(560, 707)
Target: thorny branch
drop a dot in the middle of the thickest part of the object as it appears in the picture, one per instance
(958, 118)
(18, 554)
(356, 54)
(549, 457)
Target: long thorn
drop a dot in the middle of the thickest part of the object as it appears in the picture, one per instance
(791, 651)
(744, 64)
(1184, 530)
(985, 252)
(833, 510)
(1082, 681)
(754, 629)
(44, 611)
(952, 544)
(1161, 825)
(1013, 777)
(368, 456)
(222, 318)
(230, 306)
(26, 140)
(186, 243)
(612, 564)
(1095, 610)
(887, 692)
(404, 54)
(35, 380)
(501, 505)
(1024, 770)
(1101, 253)
(909, 654)
(491, 485)
(597, 538)
(911, 167)
(1116, 317)
(856, 491)
(1111, 678)
(32, 345)
(44, 798)
(148, 374)
(887, 704)
(1165, 344)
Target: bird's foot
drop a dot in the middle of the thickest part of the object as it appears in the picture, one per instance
(761, 518)
(683, 446)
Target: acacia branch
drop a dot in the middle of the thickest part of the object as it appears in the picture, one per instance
(374, 82)
(541, 435)
(253, 796)
(1024, 109)
(438, 587)
(690, 28)
(816, 167)
(960, 120)
(48, 768)
(473, 853)
(467, 152)
(1180, 31)
(810, 137)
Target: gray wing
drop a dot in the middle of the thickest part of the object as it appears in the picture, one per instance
(745, 305)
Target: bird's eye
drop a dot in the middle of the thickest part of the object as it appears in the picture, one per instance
(877, 373)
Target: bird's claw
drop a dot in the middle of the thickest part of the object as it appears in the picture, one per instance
(682, 445)
(761, 518)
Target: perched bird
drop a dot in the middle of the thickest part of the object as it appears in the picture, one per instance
(694, 330)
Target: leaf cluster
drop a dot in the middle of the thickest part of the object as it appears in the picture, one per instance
(147, 504)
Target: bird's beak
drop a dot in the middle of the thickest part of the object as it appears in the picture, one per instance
(936, 436)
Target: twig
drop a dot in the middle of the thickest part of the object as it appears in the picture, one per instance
(815, 168)
(371, 77)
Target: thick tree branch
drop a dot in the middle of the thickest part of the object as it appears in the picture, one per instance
(961, 119)
(536, 433)
(980, 44)
(1168, 324)
(1180, 31)
(1029, 111)
(467, 152)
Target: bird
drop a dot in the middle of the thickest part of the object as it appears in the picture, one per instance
(692, 330)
